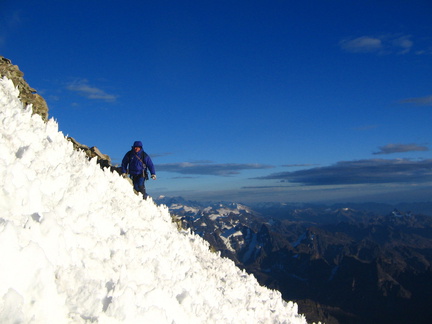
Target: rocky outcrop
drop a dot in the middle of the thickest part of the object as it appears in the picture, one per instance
(28, 95)
(92, 152)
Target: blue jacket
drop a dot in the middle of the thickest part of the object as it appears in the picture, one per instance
(133, 162)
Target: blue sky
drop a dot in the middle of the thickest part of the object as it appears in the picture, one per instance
(297, 101)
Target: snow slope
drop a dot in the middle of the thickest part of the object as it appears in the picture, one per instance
(78, 246)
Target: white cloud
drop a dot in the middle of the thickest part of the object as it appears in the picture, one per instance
(371, 171)
(84, 89)
(208, 168)
(403, 43)
(364, 44)
(420, 101)
(383, 44)
(401, 148)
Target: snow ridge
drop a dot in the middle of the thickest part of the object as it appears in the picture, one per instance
(77, 246)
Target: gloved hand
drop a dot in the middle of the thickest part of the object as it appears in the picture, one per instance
(153, 176)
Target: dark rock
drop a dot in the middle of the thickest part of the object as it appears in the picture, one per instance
(92, 152)
(28, 95)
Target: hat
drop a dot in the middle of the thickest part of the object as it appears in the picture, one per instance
(137, 144)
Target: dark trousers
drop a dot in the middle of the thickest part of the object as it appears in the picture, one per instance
(139, 184)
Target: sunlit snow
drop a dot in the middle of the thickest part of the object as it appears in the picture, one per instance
(78, 246)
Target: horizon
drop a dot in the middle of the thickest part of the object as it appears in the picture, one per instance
(312, 102)
(417, 207)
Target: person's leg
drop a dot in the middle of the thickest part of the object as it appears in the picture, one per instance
(143, 188)
(139, 185)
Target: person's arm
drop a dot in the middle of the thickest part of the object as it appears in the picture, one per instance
(125, 163)
(149, 163)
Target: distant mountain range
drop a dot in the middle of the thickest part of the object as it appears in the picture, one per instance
(362, 263)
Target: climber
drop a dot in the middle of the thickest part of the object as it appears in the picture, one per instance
(135, 163)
